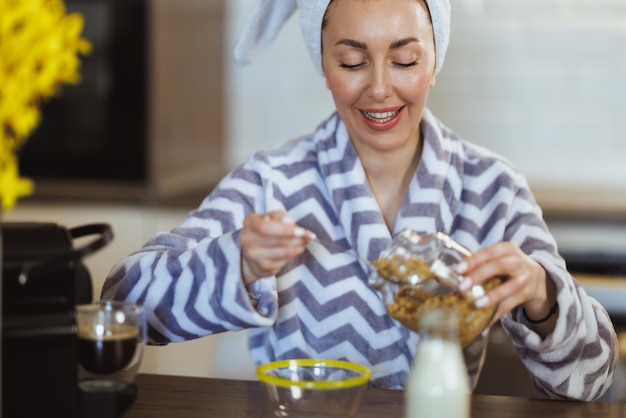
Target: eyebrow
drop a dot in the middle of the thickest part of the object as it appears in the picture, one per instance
(402, 42)
(353, 43)
(362, 45)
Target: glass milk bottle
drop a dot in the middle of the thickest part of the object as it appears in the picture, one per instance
(438, 386)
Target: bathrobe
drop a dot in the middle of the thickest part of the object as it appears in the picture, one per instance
(320, 305)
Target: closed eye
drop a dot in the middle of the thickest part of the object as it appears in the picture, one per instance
(406, 65)
(350, 67)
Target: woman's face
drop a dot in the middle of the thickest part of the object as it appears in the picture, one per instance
(379, 63)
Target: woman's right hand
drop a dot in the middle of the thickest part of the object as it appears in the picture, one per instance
(268, 241)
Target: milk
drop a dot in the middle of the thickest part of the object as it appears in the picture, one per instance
(438, 386)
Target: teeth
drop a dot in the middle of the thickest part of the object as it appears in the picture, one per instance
(380, 117)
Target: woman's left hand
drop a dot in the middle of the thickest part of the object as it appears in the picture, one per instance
(526, 282)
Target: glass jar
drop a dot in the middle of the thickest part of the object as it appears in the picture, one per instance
(417, 273)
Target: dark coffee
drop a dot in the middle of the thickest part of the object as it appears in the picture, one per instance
(109, 351)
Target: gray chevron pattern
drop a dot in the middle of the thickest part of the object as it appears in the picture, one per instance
(320, 306)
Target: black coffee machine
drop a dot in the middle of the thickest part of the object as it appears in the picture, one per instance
(43, 279)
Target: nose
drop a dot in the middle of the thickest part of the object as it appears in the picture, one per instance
(380, 83)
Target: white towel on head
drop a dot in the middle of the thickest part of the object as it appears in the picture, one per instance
(269, 16)
(267, 19)
(311, 16)
(440, 17)
(261, 27)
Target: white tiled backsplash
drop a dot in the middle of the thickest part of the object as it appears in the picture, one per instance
(542, 82)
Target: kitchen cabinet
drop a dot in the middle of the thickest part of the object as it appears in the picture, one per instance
(147, 122)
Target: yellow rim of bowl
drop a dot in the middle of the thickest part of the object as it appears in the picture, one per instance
(335, 384)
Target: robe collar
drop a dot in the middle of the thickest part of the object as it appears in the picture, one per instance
(424, 208)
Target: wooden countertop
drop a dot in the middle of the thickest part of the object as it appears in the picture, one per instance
(610, 291)
(196, 397)
(580, 200)
(600, 281)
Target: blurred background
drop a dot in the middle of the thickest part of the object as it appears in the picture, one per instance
(162, 114)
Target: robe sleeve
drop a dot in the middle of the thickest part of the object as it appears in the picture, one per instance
(578, 360)
(189, 280)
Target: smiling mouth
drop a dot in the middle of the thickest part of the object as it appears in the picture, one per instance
(380, 117)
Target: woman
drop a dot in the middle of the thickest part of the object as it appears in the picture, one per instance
(248, 258)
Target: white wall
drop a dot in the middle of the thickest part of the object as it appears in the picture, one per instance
(544, 83)
(278, 97)
(541, 81)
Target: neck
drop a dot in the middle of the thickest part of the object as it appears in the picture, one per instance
(389, 175)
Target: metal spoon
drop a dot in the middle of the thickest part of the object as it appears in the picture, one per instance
(375, 273)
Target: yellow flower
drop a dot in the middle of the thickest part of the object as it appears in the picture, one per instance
(39, 51)
(12, 186)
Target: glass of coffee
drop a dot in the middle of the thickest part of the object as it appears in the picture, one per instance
(111, 341)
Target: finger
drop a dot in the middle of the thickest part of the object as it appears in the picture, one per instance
(486, 255)
(280, 224)
(505, 297)
(276, 246)
(273, 236)
(268, 259)
(499, 264)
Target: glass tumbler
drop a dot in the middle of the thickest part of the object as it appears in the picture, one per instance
(111, 341)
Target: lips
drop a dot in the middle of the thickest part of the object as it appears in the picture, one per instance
(382, 119)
